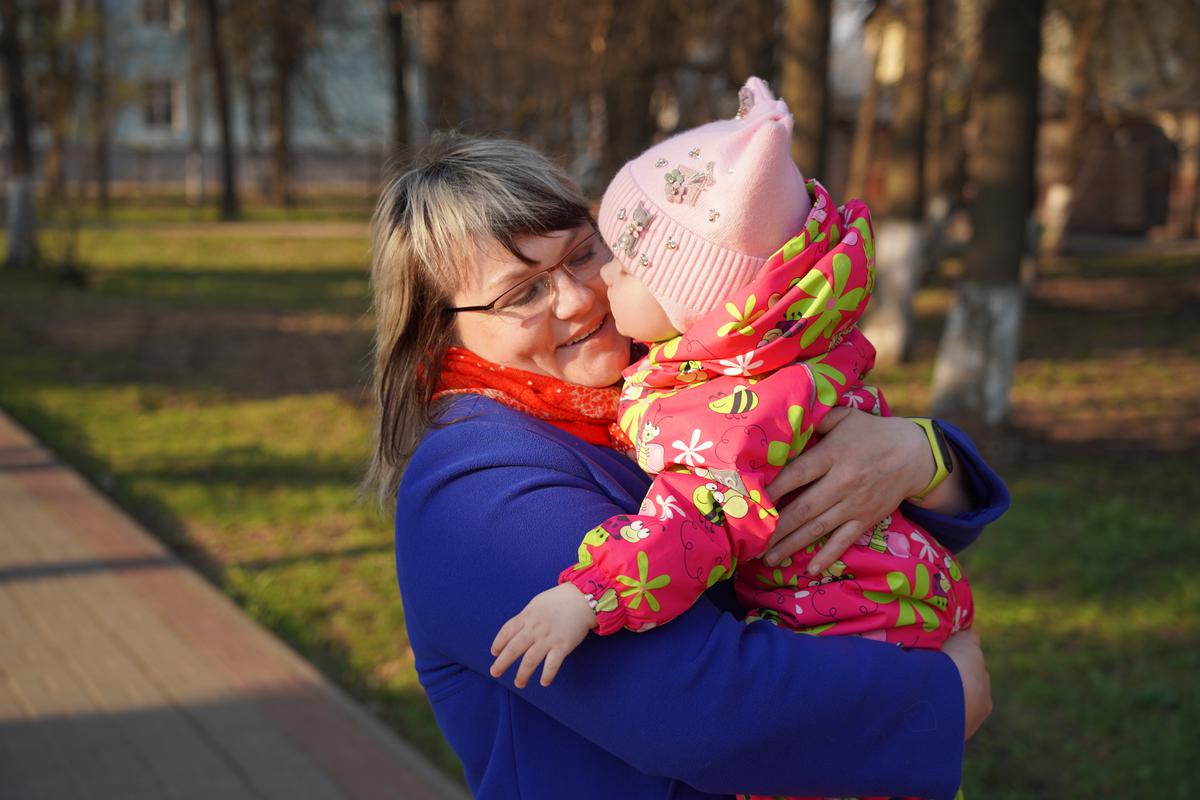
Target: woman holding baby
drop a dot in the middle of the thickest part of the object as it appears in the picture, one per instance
(499, 362)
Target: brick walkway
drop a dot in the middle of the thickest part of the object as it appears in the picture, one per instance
(123, 674)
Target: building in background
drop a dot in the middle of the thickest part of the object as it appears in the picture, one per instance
(164, 135)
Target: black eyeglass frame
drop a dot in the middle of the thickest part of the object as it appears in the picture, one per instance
(536, 276)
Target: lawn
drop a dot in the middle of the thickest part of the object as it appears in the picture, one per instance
(211, 378)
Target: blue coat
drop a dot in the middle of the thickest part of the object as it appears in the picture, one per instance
(489, 512)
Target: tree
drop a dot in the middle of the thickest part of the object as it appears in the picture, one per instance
(438, 46)
(979, 347)
(804, 81)
(633, 43)
(1060, 196)
(753, 39)
(1184, 218)
(101, 106)
(864, 127)
(901, 239)
(22, 248)
(287, 23)
(217, 62)
(394, 18)
(59, 31)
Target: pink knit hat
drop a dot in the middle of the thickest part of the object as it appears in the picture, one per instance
(697, 215)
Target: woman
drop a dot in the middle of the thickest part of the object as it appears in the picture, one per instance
(485, 246)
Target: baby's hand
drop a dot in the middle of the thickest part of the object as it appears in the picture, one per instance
(549, 628)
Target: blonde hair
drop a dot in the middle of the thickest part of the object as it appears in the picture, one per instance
(456, 197)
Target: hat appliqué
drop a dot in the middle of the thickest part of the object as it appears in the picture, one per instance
(628, 241)
(684, 185)
(745, 102)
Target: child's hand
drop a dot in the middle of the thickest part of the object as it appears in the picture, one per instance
(549, 628)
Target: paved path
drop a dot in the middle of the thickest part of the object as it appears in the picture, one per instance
(124, 674)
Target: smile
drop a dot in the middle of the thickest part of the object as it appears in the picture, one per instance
(587, 335)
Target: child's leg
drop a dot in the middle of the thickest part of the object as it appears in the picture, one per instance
(896, 584)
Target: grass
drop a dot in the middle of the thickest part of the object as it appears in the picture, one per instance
(210, 378)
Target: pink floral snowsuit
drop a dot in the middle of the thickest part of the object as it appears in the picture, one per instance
(715, 413)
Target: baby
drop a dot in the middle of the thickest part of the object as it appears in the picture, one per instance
(751, 344)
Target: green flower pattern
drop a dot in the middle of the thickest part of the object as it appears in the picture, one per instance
(776, 580)
(743, 319)
(913, 599)
(827, 302)
(827, 379)
(640, 587)
(778, 453)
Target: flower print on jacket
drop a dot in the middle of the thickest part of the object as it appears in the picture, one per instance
(742, 364)
(690, 453)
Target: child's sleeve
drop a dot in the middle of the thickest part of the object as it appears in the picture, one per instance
(642, 570)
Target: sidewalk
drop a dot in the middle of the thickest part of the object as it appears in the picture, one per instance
(123, 674)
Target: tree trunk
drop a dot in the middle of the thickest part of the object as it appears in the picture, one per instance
(439, 48)
(944, 172)
(101, 111)
(394, 9)
(216, 57)
(804, 80)
(906, 162)
(631, 57)
(1182, 219)
(1060, 195)
(752, 40)
(197, 33)
(284, 60)
(22, 246)
(980, 344)
(281, 138)
(900, 241)
(258, 175)
(864, 127)
(54, 24)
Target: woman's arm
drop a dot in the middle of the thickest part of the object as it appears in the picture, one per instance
(722, 706)
(863, 468)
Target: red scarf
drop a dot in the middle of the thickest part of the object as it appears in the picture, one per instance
(581, 411)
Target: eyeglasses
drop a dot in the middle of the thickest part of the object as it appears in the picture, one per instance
(537, 293)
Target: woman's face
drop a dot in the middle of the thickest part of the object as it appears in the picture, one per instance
(574, 339)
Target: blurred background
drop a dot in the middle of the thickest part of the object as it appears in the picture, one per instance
(184, 306)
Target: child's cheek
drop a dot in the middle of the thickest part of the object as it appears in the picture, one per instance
(618, 303)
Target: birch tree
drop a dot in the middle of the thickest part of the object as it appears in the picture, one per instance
(980, 343)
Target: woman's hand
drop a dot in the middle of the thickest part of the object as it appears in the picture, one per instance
(855, 476)
(549, 628)
(965, 650)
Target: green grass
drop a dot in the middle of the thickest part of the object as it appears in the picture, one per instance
(210, 378)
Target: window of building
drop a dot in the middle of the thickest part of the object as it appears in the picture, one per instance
(158, 104)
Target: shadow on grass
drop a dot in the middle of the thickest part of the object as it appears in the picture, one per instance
(239, 288)
(250, 466)
(163, 355)
(151, 286)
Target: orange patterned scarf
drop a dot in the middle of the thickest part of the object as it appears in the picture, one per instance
(581, 411)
